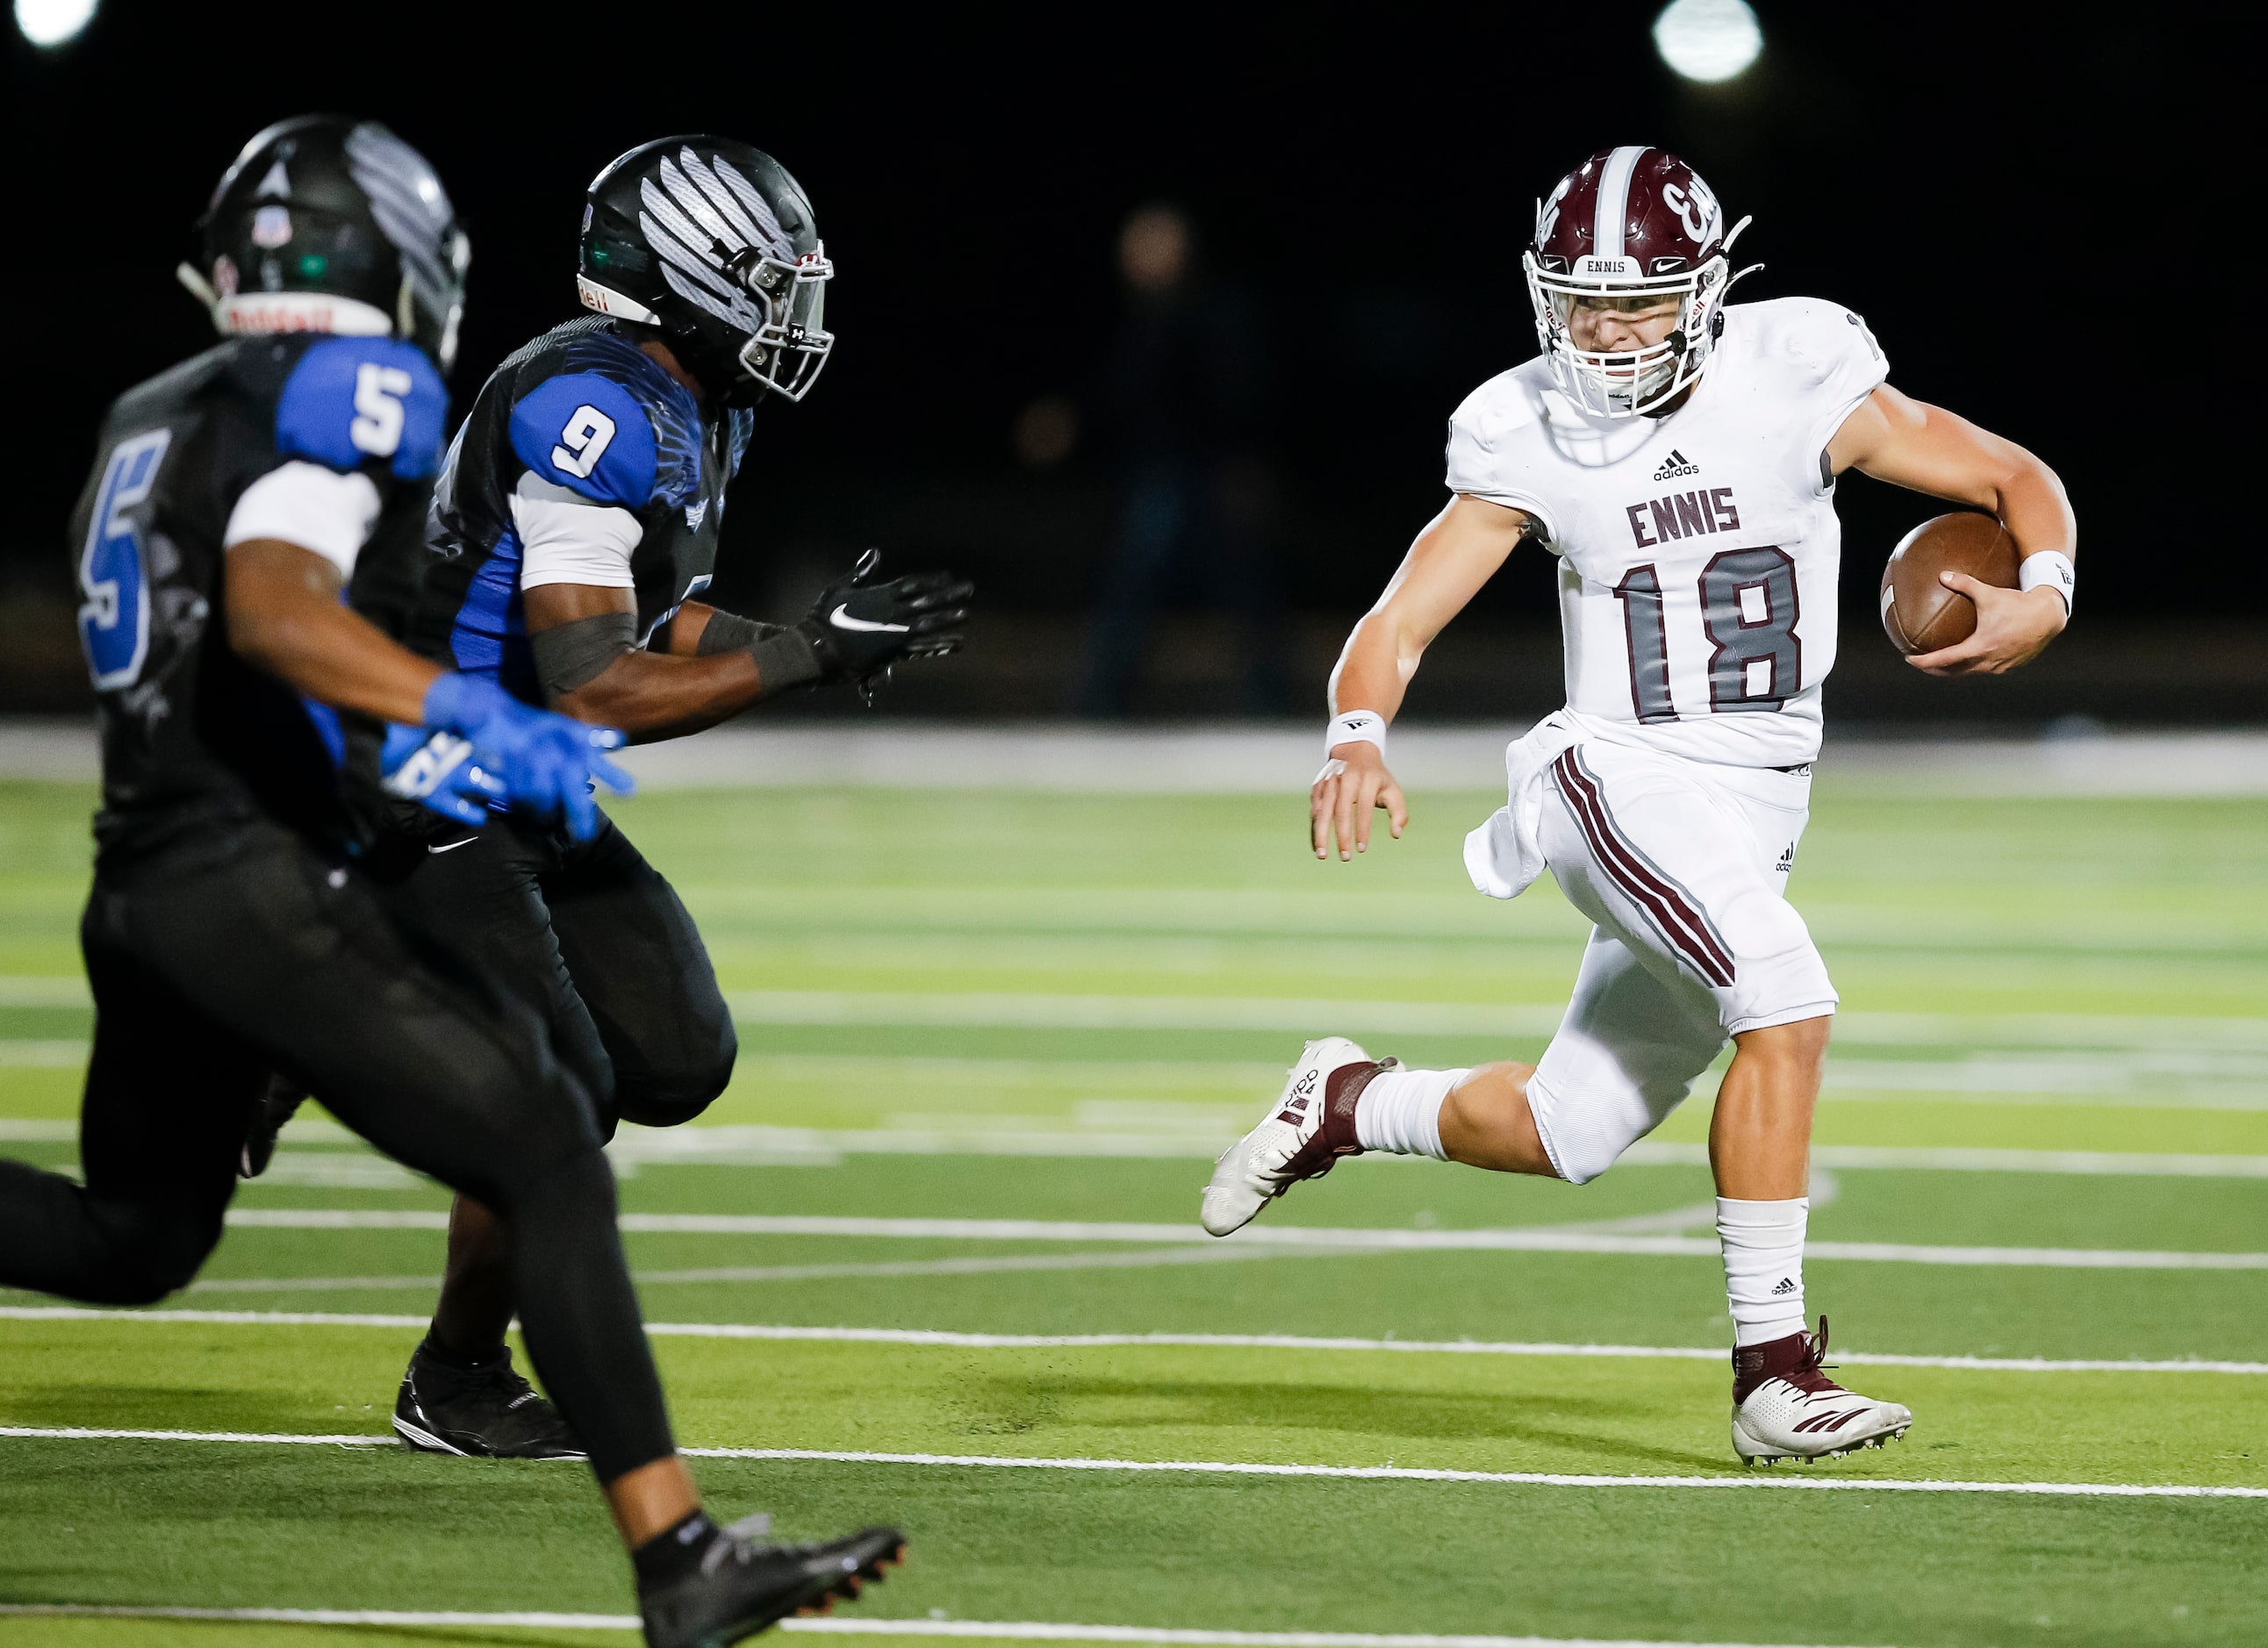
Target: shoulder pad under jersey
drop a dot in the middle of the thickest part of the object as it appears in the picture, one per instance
(641, 440)
(1827, 343)
(588, 433)
(350, 400)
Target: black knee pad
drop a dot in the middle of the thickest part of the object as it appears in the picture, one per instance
(670, 1103)
(674, 1096)
(147, 1253)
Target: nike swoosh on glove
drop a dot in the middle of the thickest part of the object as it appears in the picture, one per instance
(859, 627)
(545, 764)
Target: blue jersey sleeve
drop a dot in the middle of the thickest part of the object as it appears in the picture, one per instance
(350, 400)
(587, 433)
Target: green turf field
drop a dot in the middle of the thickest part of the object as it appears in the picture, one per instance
(988, 1041)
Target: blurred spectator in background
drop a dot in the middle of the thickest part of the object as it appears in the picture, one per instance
(1179, 409)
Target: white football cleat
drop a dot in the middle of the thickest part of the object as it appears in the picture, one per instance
(1784, 1408)
(1309, 1128)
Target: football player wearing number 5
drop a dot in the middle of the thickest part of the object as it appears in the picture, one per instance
(575, 526)
(1678, 457)
(233, 928)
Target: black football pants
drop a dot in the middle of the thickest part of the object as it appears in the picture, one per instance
(206, 977)
(592, 937)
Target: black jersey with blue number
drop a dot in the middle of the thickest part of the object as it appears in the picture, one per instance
(582, 408)
(194, 737)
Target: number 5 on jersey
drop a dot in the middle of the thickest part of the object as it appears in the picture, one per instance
(114, 620)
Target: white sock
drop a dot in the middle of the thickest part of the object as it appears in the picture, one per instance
(1763, 1243)
(1400, 1111)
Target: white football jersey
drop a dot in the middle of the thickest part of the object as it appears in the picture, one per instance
(1698, 553)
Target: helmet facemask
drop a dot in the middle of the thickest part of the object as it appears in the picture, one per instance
(1627, 382)
(786, 353)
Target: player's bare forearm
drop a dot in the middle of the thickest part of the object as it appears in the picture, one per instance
(655, 695)
(1911, 444)
(284, 616)
(649, 694)
(1458, 550)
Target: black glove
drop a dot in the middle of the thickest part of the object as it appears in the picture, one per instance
(857, 629)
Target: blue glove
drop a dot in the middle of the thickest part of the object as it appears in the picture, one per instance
(438, 770)
(546, 764)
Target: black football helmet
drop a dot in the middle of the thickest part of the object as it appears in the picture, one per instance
(712, 242)
(327, 223)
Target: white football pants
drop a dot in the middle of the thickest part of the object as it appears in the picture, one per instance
(1684, 867)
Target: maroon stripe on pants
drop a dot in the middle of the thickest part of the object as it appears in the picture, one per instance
(1683, 926)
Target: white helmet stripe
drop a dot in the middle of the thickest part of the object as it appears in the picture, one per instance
(1613, 201)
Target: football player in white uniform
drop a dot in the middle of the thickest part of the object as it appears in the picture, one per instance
(1679, 457)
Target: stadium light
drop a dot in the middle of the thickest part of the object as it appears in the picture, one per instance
(52, 23)
(1708, 40)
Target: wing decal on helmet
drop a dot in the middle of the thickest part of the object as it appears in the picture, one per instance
(700, 216)
(406, 200)
(770, 233)
(749, 214)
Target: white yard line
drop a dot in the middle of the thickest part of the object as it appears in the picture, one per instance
(1011, 1630)
(1316, 1016)
(1276, 759)
(2058, 1032)
(1231, 1467)
(1140, 1259)
(736, 1145)
(922, 1337)
(1346, 1241)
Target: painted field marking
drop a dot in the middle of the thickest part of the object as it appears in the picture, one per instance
(305, 1159)
(1347, 1241)
(1312, 1015)
(1301, 1014)
(1016, 1630)
(947, 1339)
(1140, 1259)
(1230, 1468)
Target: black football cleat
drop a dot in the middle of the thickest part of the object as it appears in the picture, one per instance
(279, 1102)
(741, 1587)
(486, 1412)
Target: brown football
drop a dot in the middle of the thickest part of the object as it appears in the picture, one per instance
(1919, 614)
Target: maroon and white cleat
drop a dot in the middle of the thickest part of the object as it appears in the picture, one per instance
(1785, 1407)
(1306, 1132)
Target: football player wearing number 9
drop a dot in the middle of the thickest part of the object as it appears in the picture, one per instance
(575, 525)
(233, 928)
(1679, 457)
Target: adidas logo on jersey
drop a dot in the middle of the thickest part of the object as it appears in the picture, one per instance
(1675, 465)
(1787, 859)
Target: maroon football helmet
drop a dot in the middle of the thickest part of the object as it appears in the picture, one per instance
(1630, 223)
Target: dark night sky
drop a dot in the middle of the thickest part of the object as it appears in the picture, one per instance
(2003, 202)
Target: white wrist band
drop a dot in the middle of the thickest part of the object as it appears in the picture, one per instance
(2052, 568)
(1355, 727)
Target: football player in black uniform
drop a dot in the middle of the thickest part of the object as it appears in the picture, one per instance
(232, 929)
(575, 524)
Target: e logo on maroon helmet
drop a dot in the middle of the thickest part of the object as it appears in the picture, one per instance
(1696, 208)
